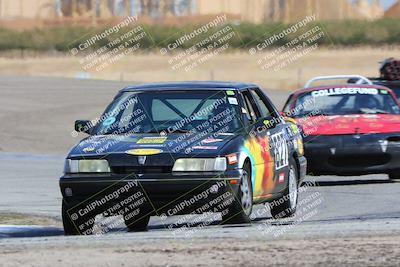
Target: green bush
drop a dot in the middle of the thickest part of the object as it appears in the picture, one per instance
(341, 33)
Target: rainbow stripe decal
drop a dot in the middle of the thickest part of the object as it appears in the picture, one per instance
(258, 150)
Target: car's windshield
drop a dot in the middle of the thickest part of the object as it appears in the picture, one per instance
(340, 101)
(171, 112)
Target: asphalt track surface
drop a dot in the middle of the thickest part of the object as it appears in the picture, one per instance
(332, 206)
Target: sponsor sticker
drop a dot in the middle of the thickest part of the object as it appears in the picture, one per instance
(344, 91)
(281, 178)
(232, 159)
(206, 147)
(226, 134)
(144, 152)
(352, 116)
(233, 101)
(294, 128)
(211, 140)
(109, 121)
(152, 140)
(88, 149)
(370, 116)
(267, 123)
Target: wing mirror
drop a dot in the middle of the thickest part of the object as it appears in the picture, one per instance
(83, 126)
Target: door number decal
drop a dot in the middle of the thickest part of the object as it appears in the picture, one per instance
(281, 150)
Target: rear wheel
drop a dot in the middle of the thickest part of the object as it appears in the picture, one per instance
(394, 175)
(241, 208)
(287, 204)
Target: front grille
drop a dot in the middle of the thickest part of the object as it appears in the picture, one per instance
(141, 169)
(359, 160)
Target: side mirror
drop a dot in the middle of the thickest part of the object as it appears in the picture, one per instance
(83, 126)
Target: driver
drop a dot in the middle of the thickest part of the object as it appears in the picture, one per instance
(367, 101)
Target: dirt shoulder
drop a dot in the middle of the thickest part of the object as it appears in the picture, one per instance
(38, 112)
(24, 219)
(235, 66)
(352, 251)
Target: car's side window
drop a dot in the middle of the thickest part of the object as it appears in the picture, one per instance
(264, 110)
(251, 115)
(288, 105)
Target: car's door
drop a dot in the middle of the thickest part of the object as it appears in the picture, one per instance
(278, 143)
(265, 144)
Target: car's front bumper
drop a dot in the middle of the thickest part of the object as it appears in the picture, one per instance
(162, 192)
(352, 154)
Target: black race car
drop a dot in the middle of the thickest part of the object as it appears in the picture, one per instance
(394, 85)
(181, 148)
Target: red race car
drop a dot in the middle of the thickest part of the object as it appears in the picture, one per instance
(349, 129)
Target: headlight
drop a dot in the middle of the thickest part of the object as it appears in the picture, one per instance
(199, 165)
(86, 166)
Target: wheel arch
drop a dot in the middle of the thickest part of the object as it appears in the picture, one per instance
(296, 156)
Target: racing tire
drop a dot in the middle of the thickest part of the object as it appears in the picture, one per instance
(394, 175)
(138, 225)
(240, 210)
(288, 202)
(71, 228)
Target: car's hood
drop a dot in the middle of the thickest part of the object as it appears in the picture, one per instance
(350, 124)
(151, 144)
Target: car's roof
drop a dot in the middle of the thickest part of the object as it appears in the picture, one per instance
(194, 85)
(310, 89)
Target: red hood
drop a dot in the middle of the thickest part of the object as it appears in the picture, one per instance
(350, 124)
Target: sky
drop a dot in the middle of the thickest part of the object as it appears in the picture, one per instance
(387, 3)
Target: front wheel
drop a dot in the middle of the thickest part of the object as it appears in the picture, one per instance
(69, 226)
(286, 205)
(394, 175)
(242, 206)
(73, 224)
(139, 225)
